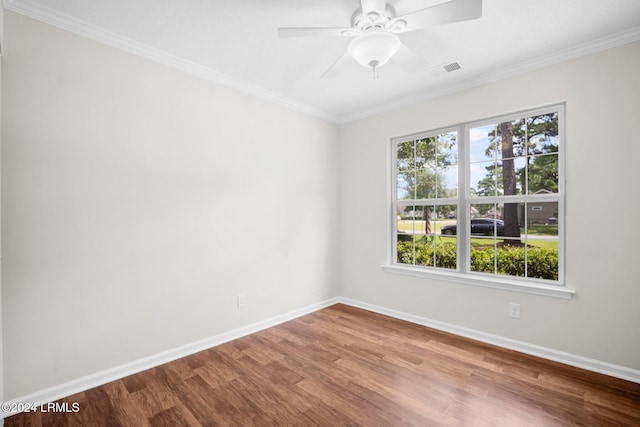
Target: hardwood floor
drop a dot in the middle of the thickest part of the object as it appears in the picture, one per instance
(345, 366)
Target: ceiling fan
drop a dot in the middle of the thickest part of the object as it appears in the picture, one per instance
(374, 29)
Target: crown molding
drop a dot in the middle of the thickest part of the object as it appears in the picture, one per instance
(50, 16)
(60, 20)
(608, 42)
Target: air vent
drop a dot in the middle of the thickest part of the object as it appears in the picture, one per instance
(449, 68)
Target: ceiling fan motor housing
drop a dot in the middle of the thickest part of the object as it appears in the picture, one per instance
(373, 19)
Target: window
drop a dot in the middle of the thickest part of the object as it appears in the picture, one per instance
(482, 200)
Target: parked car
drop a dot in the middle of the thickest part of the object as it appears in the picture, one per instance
(479, 226)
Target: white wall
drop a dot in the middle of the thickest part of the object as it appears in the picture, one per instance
(601, 322)
(138, 201)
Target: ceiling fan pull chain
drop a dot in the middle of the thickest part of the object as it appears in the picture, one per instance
(374, 66)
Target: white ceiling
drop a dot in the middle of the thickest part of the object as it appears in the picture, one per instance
(235, 42)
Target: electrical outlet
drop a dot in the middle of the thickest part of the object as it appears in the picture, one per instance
(242, 299)
(514, 310)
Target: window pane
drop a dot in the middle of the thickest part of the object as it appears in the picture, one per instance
(405, 156)
(404, 185)
(447, 225)
(542, 240)
(426, 152)
(428, 217)
(542, 218)
(512, 220)
(425, 254)
(406, 252)
(484, 180)
(405, 227)
(511, 149)
(483, 257)
(542, 133)
(447, 168)
(409, 219)
(510, 249)
(542, 173)
(542, 263)
(510, 260)
(511, 138)
(426, 183)
(481, 143)
(447, 149)
(448, 182)
(443, 221)
(481, 210)
(511, 175)
(482, 227)
(445, 245)
(520, 164)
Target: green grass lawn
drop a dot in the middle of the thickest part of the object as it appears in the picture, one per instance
(408, 225)
(542, 229)
(534, 230)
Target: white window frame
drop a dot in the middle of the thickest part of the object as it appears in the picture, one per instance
(462, 273)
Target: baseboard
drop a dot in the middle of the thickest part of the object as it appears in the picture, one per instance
(523, 347)
(76, 386)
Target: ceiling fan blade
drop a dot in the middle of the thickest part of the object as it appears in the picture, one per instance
(337, 67)
(444, 13)
(377, 6)
(286, 32)
(409, 60)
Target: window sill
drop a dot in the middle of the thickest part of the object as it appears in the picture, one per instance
(555, 291)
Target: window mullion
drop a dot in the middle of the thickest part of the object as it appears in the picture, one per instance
(462, 217)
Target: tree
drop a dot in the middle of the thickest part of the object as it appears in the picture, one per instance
(510, 211)
(491, 184)
(542, 150)
(543, 171)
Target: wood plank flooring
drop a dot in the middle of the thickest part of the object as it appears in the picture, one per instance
(343, 366)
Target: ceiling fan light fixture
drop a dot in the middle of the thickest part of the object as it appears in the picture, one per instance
(374, 48)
